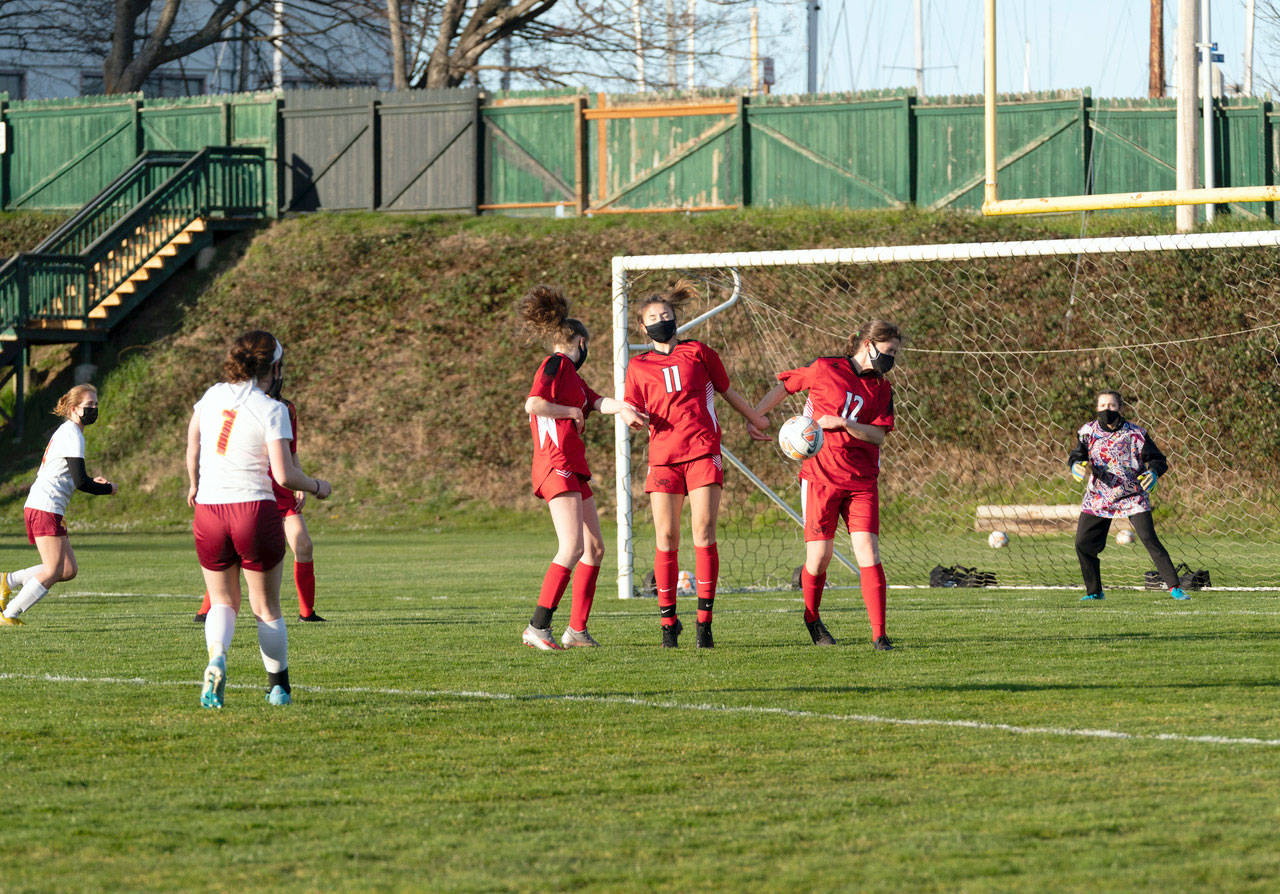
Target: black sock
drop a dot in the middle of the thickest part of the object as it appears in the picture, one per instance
(281, 679)
(542, 617)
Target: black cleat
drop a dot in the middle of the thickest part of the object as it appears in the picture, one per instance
(882, 644)
(705, 640)
(200, 616)
(671, 634)
(821, 635)
(311, 617)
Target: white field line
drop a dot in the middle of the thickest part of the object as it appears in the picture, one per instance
(703, 707)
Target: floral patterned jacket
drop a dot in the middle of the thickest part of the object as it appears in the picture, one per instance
(1116, 459)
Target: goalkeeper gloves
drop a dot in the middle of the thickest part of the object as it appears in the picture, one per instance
(1079, 471)
(1148, 480)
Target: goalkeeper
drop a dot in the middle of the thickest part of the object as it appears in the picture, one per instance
(1123, 466)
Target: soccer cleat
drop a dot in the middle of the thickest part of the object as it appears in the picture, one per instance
(703, 631)
(818, 630)
(882, 643)
(1093, 597)
(200, 617)
(215, 682)
(671, 635)
(576, 638)
(1177, 593)
(5, 590)
(10, 622)
(540, 638)
(311, 617)
(277, 696)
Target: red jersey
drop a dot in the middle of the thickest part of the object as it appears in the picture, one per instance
(678, 391)
(283, 493)
(836, 387)
(556, 442)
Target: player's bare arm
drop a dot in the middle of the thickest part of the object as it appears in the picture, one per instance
(193, 458)
(635, 419)
(872, 434)
(285, 470)
(540, 406)
(766, 406)
(748, 412)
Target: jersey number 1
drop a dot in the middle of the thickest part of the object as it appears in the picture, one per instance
(228, 420)
(671, 378)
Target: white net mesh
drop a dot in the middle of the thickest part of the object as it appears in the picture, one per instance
(1004, 354)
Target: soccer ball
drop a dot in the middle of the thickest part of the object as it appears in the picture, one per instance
(997, 540)
(684, 584)
(1125, 537)
(800, 437)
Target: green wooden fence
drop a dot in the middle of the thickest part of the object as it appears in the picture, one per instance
(557, 153)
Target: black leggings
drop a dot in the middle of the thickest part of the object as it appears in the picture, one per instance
(1091, 539)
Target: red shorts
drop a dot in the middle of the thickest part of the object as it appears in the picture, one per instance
(824, 506)
(680, 478)
(250, 535)
(43, 524)
(562, 481)
(287, 504)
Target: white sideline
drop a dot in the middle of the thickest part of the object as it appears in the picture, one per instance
(873, 719)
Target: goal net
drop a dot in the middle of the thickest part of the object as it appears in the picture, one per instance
(1006, 346)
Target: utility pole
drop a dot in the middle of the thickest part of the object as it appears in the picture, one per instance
(691, 13)
(755, 50)
(1206, 77)
(1155, 59)
(639, 39)
(277, 44)
(670, 11)
(1186, 83)
(1248, 47)
(811, 83)
(919, 47)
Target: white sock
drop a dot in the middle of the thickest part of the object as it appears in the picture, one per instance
(273, 642)
(31, 593)
(219, 627)
(19, 578)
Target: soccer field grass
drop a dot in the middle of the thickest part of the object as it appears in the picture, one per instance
(1017, 740)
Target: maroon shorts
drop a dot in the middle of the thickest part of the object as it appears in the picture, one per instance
(562, 481)
(43, 524)
(250, 535)
(680, 478)
(824, 506)
(287, 504)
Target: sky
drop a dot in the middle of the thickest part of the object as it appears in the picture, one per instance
(1100, 44)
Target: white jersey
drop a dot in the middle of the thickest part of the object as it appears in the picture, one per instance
(237, 420)
(53, 485)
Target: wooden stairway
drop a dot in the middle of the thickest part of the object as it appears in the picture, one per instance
(130, 251)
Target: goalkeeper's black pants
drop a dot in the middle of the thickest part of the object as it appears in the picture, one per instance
(1091, 539)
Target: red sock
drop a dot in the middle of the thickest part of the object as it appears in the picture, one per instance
(553, 584)
(304, 578)
(204, 606)
(584, 592)
(665, 572)
(811, 585)
(873, 594)
(706, 573)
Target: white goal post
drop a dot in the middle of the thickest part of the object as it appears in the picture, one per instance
(951, 259)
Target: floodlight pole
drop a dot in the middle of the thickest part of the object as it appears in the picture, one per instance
(1248, 47)
(989, 118)
(811, 9)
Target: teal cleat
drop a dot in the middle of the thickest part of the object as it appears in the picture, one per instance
(1093, 597)
(215, 682)
(277, 696)
(1177, 593)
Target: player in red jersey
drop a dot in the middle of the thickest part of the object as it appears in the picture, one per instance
(850, 398)
(290, 503)
(676, 384)
(558, 404)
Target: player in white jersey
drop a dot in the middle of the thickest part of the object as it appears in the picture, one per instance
(62, 472)
(238, 436)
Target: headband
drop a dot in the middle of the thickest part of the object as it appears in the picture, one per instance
(275, 358)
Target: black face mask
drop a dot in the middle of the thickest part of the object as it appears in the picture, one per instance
(880, 361)
(662, 331)
(1110, 419)
(89, 415)
(582, 356)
